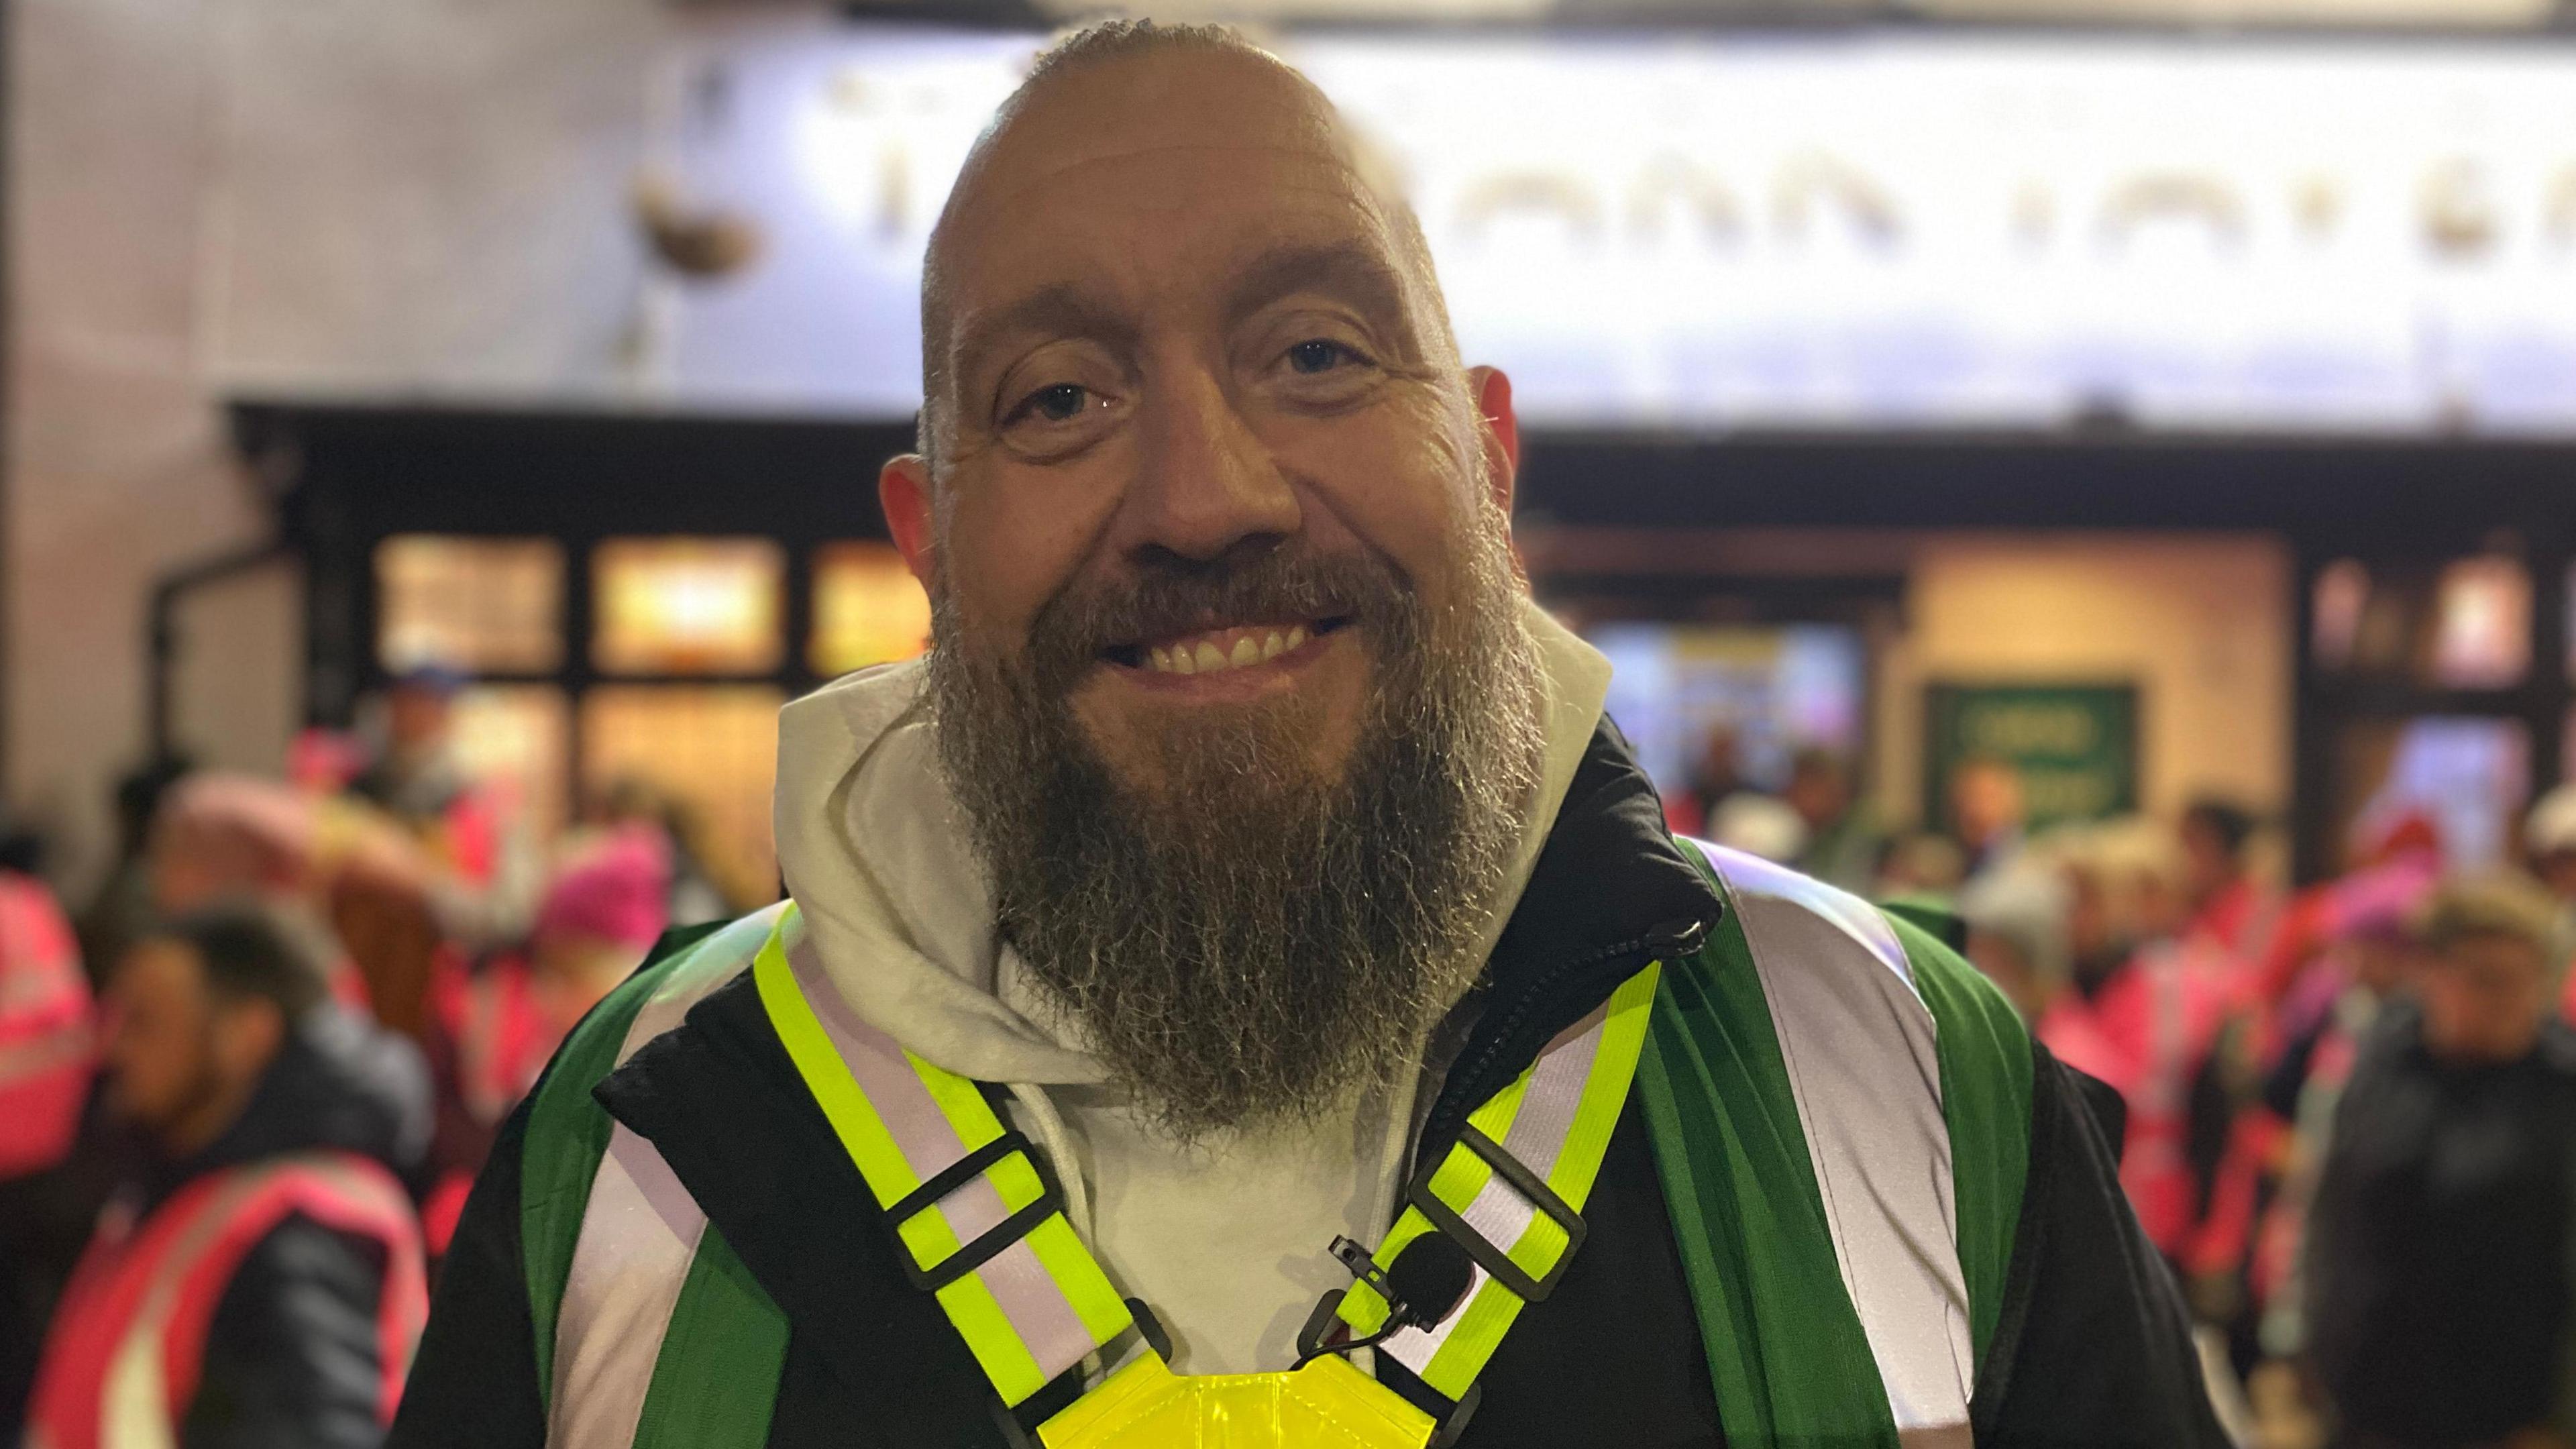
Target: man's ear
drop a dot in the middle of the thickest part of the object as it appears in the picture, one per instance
(1499, 431)
(903, 490)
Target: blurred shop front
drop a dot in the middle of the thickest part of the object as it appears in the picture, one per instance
(632, 595)
(2159, 414)
(2344, 632)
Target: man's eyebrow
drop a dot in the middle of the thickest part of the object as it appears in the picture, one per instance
(1352, 270)
(1060, 310)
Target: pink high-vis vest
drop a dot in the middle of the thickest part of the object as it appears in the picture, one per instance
(47, 1045)
(2147, 1033)
(501, 1034)
(128, 1342)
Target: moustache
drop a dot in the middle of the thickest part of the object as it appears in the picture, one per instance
(1115, 619)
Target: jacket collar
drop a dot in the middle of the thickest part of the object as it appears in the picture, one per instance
(1610, 891)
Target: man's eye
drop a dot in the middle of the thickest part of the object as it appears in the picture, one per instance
(1057, 403)
(1318, 355)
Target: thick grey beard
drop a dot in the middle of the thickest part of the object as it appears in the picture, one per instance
(1248, 945)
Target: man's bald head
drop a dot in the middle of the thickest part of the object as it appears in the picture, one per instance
(1229, 673)
(1082, 101)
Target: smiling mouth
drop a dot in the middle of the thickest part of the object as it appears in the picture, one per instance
(1214, 651)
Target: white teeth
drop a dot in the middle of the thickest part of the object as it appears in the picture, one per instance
(1210, 654)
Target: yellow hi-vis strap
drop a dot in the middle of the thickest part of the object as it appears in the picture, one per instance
(1549, 1129)
(980, 1228)
(1031, 1301)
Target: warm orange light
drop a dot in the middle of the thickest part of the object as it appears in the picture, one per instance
(483, 605)
(687, 606)
(714, 749)
(510, 738)
(868, 608)
(2482, 629)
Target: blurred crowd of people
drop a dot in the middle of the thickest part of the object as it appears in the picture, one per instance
(244, 1092)
(2350, 1111)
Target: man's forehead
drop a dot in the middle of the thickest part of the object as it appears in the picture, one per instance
(1176, 181)
(1136, 106)
(1172, 148)
(1170, 224)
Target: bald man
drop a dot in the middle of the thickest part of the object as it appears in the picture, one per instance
(1238, 990)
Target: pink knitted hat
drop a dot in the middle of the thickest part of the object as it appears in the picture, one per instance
(616, 889)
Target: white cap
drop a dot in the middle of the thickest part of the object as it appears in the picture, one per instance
(2551, 829)
(2028, 905)
(1758, 825)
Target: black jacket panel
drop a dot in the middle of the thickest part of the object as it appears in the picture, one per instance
(2094, 1348)
(292, 1359)
(474, 1379)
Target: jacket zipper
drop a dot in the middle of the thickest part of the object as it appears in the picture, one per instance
(1672, 938)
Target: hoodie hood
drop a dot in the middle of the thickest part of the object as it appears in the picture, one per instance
(879, 859)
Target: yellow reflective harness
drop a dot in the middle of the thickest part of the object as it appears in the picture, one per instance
(983, 1231)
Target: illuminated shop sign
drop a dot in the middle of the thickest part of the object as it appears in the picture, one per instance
(1809, 230)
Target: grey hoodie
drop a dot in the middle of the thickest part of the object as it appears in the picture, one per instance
(1227, 1241)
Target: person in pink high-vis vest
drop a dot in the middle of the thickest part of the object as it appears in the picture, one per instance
(45, 1029)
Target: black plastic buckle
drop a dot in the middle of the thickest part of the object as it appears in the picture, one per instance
(1149, 1327)
(1454, 1423)
(1449, 1416)
(1489, 1257)
(1323, 1323)
(1000, 1237)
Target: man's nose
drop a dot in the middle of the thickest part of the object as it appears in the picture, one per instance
(1206, 482)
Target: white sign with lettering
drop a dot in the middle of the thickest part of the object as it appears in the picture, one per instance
(1865, 230)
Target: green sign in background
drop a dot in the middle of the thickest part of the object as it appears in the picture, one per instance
(2075, 746)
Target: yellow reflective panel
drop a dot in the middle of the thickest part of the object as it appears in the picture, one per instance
(687, 605)
(483, 605)
(711, 749)
(868, 608)
(1326, 1405)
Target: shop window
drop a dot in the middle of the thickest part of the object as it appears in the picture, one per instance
(511, 738)
(483, 605)
(2482, 624)
(1757, 694)
(2342, 593)
(711, 749)
(2468, 777)
(687, 606)
(868, 608)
